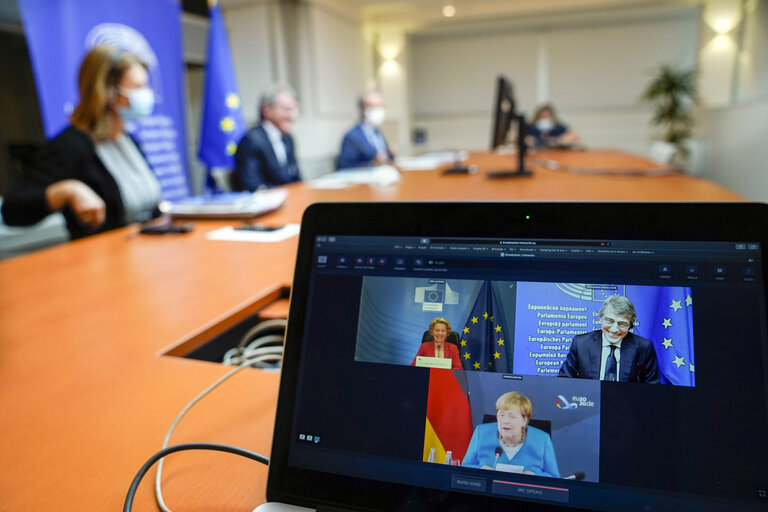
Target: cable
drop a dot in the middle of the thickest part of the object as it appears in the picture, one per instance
(257, 358)
(232, 359)
(128, 505)
(275, 323)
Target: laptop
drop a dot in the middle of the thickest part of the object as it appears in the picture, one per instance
(612, 357)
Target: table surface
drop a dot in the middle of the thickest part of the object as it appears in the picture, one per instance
(87, 394)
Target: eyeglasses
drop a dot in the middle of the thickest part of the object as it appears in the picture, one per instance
(608, 322)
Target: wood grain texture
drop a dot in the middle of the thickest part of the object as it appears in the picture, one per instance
(86, 394)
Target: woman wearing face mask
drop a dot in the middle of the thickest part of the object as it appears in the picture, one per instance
(547, 131)
(92, 171)
(364, 144)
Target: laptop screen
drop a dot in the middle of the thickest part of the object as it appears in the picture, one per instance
(605, 374)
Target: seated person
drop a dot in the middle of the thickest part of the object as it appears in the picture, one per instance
(266, 156)
(547, 131)
(438, 347)
(594, 355)
(93, 172)
(512, 441)
(364, 145)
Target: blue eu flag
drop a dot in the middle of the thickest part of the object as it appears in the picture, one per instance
(483, 346)
(223, 124)
(669, 325)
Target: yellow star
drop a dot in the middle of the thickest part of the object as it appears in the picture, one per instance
(232, 100)
(231, 148)
(676, 305)
(476, 365)
(667, 343)
(667, 323)
(227, 124)
(485, 315)
(490, 364)
(501, 341)
(491, 319)
(498, 328)
(474, 319)
(688, 300)
(496, 355)
(466, 330)
(679, 361)
(463, 343)
(467, 355)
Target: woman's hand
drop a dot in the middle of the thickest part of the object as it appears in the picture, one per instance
(87, 205)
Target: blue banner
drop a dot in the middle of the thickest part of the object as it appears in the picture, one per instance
(483, 344)
(59, 34)
(223, 123)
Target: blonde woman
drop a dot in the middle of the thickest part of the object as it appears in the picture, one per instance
(93, 172)
(511, 441)
(439, 328)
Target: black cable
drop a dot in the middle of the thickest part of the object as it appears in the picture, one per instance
(181, 447)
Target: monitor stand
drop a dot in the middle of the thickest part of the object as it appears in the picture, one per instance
(522, 149)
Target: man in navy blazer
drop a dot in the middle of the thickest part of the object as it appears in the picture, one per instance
(364, 145)
(266, 156)
(612, 353)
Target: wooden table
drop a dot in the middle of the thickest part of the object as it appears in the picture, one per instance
(86, 393)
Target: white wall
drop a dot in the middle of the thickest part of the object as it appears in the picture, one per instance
(318, 48)
(736, 133)
(593, 72)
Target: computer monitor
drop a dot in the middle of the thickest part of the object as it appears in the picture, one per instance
(504, 114)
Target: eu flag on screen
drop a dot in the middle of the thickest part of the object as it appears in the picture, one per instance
(669, 325)
(483, 346)
(223, 124)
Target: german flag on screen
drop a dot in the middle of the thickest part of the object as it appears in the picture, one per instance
(449, 424)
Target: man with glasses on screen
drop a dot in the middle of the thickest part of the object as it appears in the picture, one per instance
(612, 353)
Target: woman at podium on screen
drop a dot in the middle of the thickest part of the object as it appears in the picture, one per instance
(547, 131)
(93, 172)
(439, 347)
(510, 444)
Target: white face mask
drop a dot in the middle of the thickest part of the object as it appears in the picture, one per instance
(376, 115)
(141, 103)
(545, 125)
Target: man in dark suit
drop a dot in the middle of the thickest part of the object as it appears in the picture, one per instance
(364, 145)
(612, 353)
(266, 156)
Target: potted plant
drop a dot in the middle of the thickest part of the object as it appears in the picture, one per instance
(672, 92)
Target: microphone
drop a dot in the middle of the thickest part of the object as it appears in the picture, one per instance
(498, 454)
(577, 475)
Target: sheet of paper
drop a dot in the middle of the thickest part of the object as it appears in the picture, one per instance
(381, 175)
(231, 234)
(509, 468)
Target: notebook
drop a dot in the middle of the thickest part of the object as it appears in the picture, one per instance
(613, 358)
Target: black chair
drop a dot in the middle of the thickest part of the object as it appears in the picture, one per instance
(453, 337)
(544, 425)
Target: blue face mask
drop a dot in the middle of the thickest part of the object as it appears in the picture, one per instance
(141, 103)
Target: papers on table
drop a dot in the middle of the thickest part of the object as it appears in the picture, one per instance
(509, 468)
(233, 205)
(231, 234)
(429, 161)
(381, 175)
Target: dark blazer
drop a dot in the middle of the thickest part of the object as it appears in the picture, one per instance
(256, 165)
(356, 150)
(638, 358)
(69, 155)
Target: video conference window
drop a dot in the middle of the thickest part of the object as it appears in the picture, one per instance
(607, 332)
(530, 425)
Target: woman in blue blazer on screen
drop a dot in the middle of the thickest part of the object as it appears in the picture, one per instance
(510, 441)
